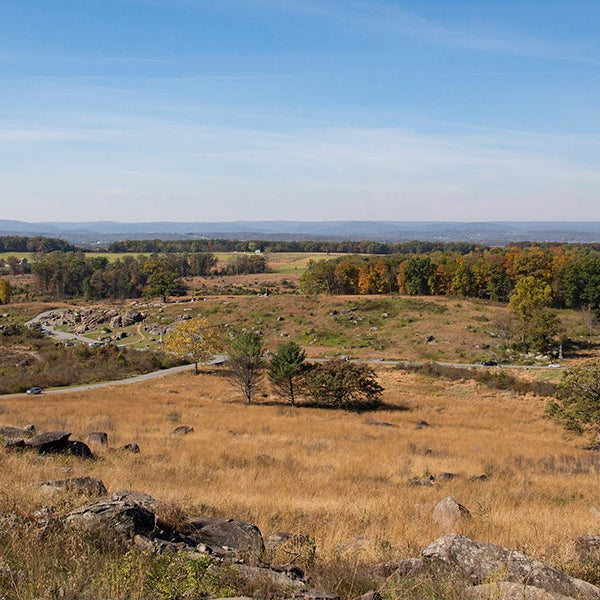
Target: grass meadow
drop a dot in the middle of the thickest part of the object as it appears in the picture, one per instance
(342, 478)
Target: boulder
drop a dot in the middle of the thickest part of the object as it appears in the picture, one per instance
(113, 521)
(7, 431)
(505, 590)
(448, 512)
(49, 442)
(478, 561)
(99, 438)
(237, 535)
(131, 447)
(81, 485)
(78, 449)
(182, 430)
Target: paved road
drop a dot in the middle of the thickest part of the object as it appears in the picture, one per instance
(221, 358)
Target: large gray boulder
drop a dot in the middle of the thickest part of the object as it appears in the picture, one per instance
(227, 533)
(478, 561)
(113, 521)
(505, 590)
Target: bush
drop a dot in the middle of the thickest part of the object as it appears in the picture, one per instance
(342, 384)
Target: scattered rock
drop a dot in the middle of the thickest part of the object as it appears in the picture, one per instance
(132, 447)
(182, 430)
(477, 561)
(82, 485)
(445, 476)
(98, 437)
(448, 512)
(424, 481)
(421, 424)
(371, 421)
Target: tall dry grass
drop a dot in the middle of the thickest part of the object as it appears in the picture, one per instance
(342, 478)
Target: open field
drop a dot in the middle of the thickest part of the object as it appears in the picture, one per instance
(342, 478)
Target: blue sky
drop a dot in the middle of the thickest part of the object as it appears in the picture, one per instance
(211, 110)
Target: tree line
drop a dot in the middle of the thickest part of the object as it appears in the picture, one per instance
(319, 246)
(571, 274)
(16, 243)
(75, 274)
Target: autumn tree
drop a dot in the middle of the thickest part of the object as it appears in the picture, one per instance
(529, 303)
(245, 363)
(287, 366)
(194, 339)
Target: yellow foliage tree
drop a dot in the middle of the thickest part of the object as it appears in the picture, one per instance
(194, 339)
(5, 291)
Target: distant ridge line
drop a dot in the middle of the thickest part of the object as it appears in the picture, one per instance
(489, 232)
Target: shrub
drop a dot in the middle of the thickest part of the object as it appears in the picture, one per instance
(343, 384)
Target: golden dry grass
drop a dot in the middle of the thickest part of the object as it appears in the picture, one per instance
(333, 475)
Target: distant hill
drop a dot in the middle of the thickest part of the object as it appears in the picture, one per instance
(493, 233)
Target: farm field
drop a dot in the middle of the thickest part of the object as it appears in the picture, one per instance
(343, 479)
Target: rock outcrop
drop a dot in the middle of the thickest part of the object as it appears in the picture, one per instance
(481, 561)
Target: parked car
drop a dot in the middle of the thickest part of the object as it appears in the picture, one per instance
(489, 363)
(34, 390)
(554, 366)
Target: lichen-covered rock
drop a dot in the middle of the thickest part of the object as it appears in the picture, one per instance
(480, 561)
(113, 521)
(237, 535)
